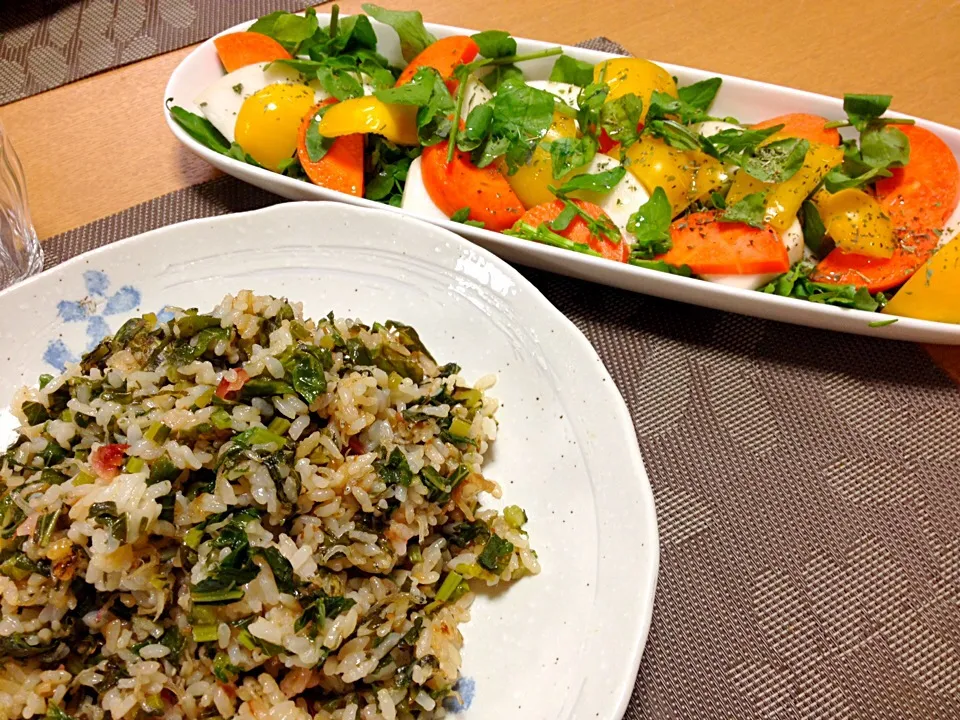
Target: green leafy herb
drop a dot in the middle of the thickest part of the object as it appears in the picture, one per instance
(476, 127)
(282, 569)
(265, 387)
(881, 146)
(673, 133)
(288, 29)
(690, 105)
(395, 470)
(386, 168)
(162, 469)
(777, 161)
(414, 37)
(342, 83)
(416, 92)
(55, 713)
(192, 323)
(317, 145)
(19, 567)
(699, 96)
(620, 119)
(190, 349)
(502, 75)
(35, 412)
(466, 533)
(543, 234)
(882, 323)
(45, 527)
(496, 554)
(441, 487)
(661, 266)
(461, 215)
(568, 154)
(11, 515)
(735, 145)
(171, 638)
(572, 71)
(520, 117)
(837, 180)
(495, 43)
(562, 221)
(861, 110)
(307, 374)
(600, 182)
(884, 147)
(751, 210)
(105, 515)
(19, 645)
(813, 229)
(200, 129)
(601, 227)
(223, 669)
(796, 284)
(513, 128)
(317, 609)
(650, 225)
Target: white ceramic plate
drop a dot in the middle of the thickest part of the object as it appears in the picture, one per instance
(564, 644)
(749, 100)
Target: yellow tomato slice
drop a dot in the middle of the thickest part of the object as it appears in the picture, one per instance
(933, 292)
(856, 222)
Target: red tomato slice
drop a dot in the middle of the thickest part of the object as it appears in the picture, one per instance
(106, 460)
(227, 387)
(803, 125)
(578, 231)
(461, 184)
(711, 247)
(444, 56)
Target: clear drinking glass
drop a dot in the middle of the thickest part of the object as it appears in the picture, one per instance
(20, 252)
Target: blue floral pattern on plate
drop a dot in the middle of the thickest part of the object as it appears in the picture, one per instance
(93, 309)
(466, 687)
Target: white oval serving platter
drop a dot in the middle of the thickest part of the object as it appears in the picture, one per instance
(564, 644)
(749, 100)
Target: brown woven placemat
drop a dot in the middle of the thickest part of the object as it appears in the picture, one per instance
(48, 43)
(808, 494)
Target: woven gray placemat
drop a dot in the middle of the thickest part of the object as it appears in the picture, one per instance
(808, 493)
(48, 43)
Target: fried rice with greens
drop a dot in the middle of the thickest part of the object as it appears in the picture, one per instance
(247, 514)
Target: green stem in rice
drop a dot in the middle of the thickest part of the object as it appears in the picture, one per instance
(204, 633)
(217, 597)
(221, 419)
(450, 584)
(158, 432)
(279, 425)
(134, 465)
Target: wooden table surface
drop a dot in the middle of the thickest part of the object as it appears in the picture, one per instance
(101, 145)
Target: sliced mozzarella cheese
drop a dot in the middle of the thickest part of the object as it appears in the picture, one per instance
(565, 91)
(792, 240)
(416, 199)
(221, 101)
(622, 201)
(712, 127)
(475, 94)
